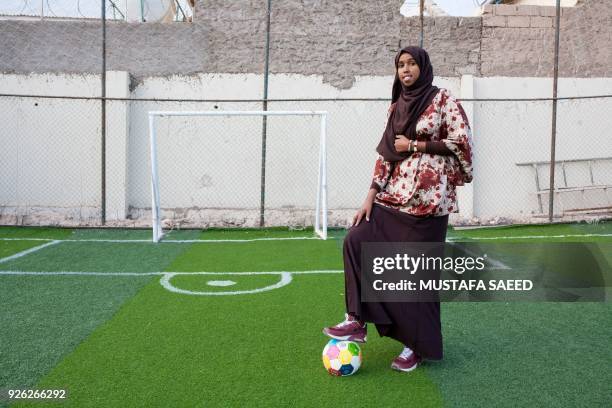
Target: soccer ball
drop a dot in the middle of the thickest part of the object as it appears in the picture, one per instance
(341, 358)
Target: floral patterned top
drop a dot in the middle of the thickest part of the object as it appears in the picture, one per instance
(424, 184)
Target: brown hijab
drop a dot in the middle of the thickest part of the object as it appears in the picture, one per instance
(411, 101)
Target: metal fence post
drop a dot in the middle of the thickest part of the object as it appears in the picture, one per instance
(103, 117)
(264, 129)
(421, 6)
(551, 195)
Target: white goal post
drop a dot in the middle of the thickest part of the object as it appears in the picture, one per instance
(320, 225)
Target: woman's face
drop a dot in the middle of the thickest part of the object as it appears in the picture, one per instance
(407, 69)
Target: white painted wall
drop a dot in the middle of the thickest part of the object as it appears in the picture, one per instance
(50, 155)
(354, 129)
(508, 133)
(51, 152)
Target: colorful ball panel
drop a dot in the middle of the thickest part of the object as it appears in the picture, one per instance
(341, 358)
(345, 356)
(335, 364)
(326, 362)
(356, 362)
(346, 369)
(334, 372)
(332, 351)
(354, 349)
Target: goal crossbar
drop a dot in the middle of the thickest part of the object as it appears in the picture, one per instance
(321, 203)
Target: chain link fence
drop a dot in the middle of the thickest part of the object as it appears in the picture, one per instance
(119, 10)
(512, 163)
(211, 167)
(50, 161)
(218, 171)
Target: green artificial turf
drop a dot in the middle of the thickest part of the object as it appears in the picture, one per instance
(34, 232)
(250, 350)
(525, 355)
(200, 283)
(10, 248)
(260, 256)
(603, 227)
(43, 318)
(127, 341)
(250, 233)
(99, 257)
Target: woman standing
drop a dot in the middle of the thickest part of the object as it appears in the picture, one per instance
(424, 153)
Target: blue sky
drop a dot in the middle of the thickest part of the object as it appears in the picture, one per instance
(91, 8)
(459, 7)
(70, 8)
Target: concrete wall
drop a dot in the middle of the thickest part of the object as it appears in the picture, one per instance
(510, 133)
(204, 163)
(75, 47)
(519, 40)
(320, 49)
(339, 40)
(51, 156)
(564, 3)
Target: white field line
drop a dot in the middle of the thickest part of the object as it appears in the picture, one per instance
(532, 237)
(285, 278)
(27, 239)
(221, 283)
(28, 251)
(78, 273)
(496, 263)
(83, 273)
(213, 241)
(169, 241)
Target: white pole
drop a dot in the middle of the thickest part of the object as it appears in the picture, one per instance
(42, 9)
(319, 187)
(324, 172)
(154, 181)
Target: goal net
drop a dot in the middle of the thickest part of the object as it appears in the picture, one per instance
(238, 169)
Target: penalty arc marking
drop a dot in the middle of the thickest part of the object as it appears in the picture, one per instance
(285, 279)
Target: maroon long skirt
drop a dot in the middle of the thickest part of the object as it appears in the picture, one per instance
(415, 324)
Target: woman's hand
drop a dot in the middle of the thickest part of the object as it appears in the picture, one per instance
(366, 208)
(402, 143)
